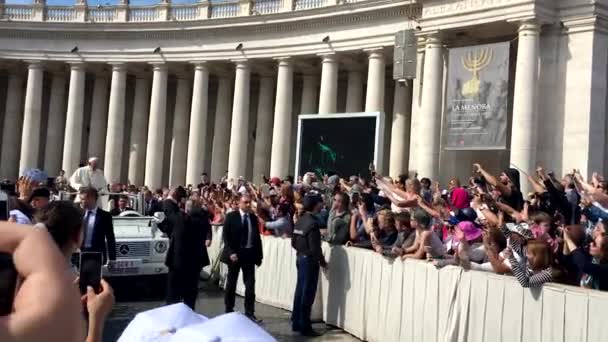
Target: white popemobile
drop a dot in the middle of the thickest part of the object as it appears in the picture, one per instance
(141, 247)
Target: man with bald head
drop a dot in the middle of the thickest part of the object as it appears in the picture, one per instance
(89, 176)
(242, 251)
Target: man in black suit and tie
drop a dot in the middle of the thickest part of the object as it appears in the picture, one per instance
(187, 253)
(242, 251)
(123, 205)
(151, 204)
(98, 227)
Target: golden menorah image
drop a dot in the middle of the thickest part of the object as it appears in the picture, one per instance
(475, 61)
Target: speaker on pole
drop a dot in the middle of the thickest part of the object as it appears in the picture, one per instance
(405, 56)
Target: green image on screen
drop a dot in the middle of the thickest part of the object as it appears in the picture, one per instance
(342, 145)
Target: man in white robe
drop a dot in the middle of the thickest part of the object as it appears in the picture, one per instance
(90, 176)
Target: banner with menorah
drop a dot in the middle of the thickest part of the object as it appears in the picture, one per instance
(477, 97)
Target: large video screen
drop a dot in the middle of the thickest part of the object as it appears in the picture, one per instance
(342, 145)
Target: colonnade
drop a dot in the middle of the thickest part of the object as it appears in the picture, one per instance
(61, 143)
(62, 147)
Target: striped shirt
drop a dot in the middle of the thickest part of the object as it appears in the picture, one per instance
(528, 278)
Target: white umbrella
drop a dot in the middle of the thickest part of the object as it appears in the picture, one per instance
(158, 325)
(232, 327)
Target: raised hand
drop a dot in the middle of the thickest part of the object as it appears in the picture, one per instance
(477, 168)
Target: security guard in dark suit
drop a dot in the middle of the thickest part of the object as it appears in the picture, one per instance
(306, 241)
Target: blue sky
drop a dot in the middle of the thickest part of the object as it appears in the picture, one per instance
(96, 2)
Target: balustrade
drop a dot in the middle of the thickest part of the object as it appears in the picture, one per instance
(60, 13)
(102, 14)
(18, 12)
(184, 12)
(267, 6)
(225, 9)
(139, 14)
(176, 12)
(309, 4)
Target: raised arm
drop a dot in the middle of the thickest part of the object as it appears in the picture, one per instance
(405, 200)
(353, 227)
(537, 186)
(526, 280)
(505, 190)
(46, 307)
(430, 210)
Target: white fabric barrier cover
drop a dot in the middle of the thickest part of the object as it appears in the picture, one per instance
(381, 299)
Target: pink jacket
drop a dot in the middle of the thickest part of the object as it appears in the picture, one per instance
(459, 198)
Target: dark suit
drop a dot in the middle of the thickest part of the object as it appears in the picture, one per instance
(152, 207)
(187, 253)
(236, 237)
(117, 211)
(103, 240)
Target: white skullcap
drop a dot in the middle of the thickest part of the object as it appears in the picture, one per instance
(92, 159)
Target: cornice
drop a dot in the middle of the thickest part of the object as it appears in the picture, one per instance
(211, 44)
(243, 26)
(454, 14)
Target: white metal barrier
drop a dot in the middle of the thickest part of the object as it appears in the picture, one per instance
(380, 299)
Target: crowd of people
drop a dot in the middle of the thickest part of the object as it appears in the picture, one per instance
(556, 233)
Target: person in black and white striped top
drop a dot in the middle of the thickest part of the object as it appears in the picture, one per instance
(536, 268)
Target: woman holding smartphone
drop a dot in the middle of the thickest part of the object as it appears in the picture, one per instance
(63, 221)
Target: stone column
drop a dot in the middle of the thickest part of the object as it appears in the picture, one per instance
(30, 137)
(221, 129)
(12, 128)
(430, 118)
(116, 124)
(525, 111)
(354, 92)
(139, 131)
(179, 141)
(199, 116)
(156, 128)
(328, 96)
(400, 129)
(283, 116)
(374, 99)
(56, 126)
(263, 132)
(416, 107)
(74, 119)
(309, 94)
(99, 119)
(237, 158)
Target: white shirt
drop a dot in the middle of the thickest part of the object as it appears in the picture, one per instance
(86, 177)
(89, 226)
(249, 228)
(20, 217)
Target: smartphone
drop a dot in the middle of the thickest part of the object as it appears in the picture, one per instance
(4, 212)
(8, 283)
(90, 271)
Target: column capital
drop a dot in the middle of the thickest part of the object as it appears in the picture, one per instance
(284, 61)
(77, 65)
(159, 66)
(433, 41)
(529, 27)
(34, 64)
(200, 65)
(330, 57)
(241, 63)
(119, 66)
(375, 52)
